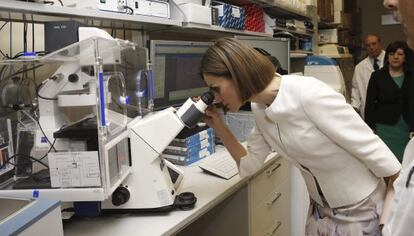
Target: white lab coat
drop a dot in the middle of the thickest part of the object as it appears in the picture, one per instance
(360, 81)
(313, 127)
(400, 222)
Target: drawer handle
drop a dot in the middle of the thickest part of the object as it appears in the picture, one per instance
(274, 228)
(273, 170)
(277, 196)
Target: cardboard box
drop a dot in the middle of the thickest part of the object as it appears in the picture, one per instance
(344, 38)
(254, 18)
(231, 16)
(328, 36)
(326, 10)
(347, 20)
(195, 13)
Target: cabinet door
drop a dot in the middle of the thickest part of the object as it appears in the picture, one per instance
(272, 215)
(261, 185)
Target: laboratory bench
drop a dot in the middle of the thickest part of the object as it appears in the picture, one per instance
(258, 205)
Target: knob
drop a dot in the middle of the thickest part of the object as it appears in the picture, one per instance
(120, 196)
(73, 78)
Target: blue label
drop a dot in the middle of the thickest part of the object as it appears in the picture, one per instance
(43, 140)
(35, 193)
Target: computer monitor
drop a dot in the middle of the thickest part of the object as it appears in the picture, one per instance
(176, 71)
(277, 47)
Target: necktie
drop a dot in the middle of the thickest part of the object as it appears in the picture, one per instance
(376, 66)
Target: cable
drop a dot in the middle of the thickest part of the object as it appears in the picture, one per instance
(128, 10)
(11, 38)
(22, 71)
(25, 36)
(48, 151)
(33, 38)
(7, 161)
(2, 53)
(40, 96)
(43, 132)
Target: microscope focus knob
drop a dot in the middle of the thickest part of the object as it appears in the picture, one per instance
(73, 78)
(120, 196)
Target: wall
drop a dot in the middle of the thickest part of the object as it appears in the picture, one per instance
(371, 22)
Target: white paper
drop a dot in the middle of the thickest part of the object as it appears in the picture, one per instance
(74, 169)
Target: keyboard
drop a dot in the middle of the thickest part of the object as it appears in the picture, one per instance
(220, 164)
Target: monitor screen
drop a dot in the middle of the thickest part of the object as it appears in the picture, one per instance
(277, 47)
(176, 70)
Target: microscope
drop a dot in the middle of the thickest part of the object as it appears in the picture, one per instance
(151, 184)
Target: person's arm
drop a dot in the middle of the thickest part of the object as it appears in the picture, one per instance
(248, 161)
(370, 102)
(329, 112)
(233, 146)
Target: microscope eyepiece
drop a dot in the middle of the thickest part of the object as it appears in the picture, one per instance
(207, 97)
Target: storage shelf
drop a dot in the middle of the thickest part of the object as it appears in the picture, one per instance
(282, 10)
(21, 11)
(273, 8)
(310, 34)
(222, 30)
(40, 13)
(300, 53)
(327, 25)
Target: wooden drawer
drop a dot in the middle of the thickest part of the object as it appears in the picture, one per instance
(274, 175)
(272, 215)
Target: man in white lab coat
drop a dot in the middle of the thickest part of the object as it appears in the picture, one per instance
(363, 71)
(401, 219)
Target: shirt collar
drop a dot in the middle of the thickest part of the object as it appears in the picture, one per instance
(380, 58)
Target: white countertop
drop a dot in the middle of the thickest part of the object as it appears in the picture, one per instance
(209, 190)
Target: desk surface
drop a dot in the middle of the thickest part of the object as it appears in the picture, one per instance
(209, 190)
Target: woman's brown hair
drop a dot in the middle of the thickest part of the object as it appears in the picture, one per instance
(250, 71)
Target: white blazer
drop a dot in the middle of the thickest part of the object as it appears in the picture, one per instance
(315, 129)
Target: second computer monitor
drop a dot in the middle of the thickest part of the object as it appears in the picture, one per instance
(176, 66)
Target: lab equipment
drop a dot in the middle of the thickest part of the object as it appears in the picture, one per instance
(196, 13)
(86, 95)
(59, 34)
(88, 117)
(120, 6)
(30, 217)
(176, 66)
(150, 187)
(334, 51)
(326, 70)
(158, 8)
(276, 47)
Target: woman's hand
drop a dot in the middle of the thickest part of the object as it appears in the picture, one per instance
(388, 198)
(213, 119)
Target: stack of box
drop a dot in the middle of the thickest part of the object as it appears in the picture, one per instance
(190, 146)
(254, 18)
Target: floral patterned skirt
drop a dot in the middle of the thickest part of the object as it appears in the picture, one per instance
(361, 218)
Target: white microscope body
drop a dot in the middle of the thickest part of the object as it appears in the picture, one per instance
(151, 186)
